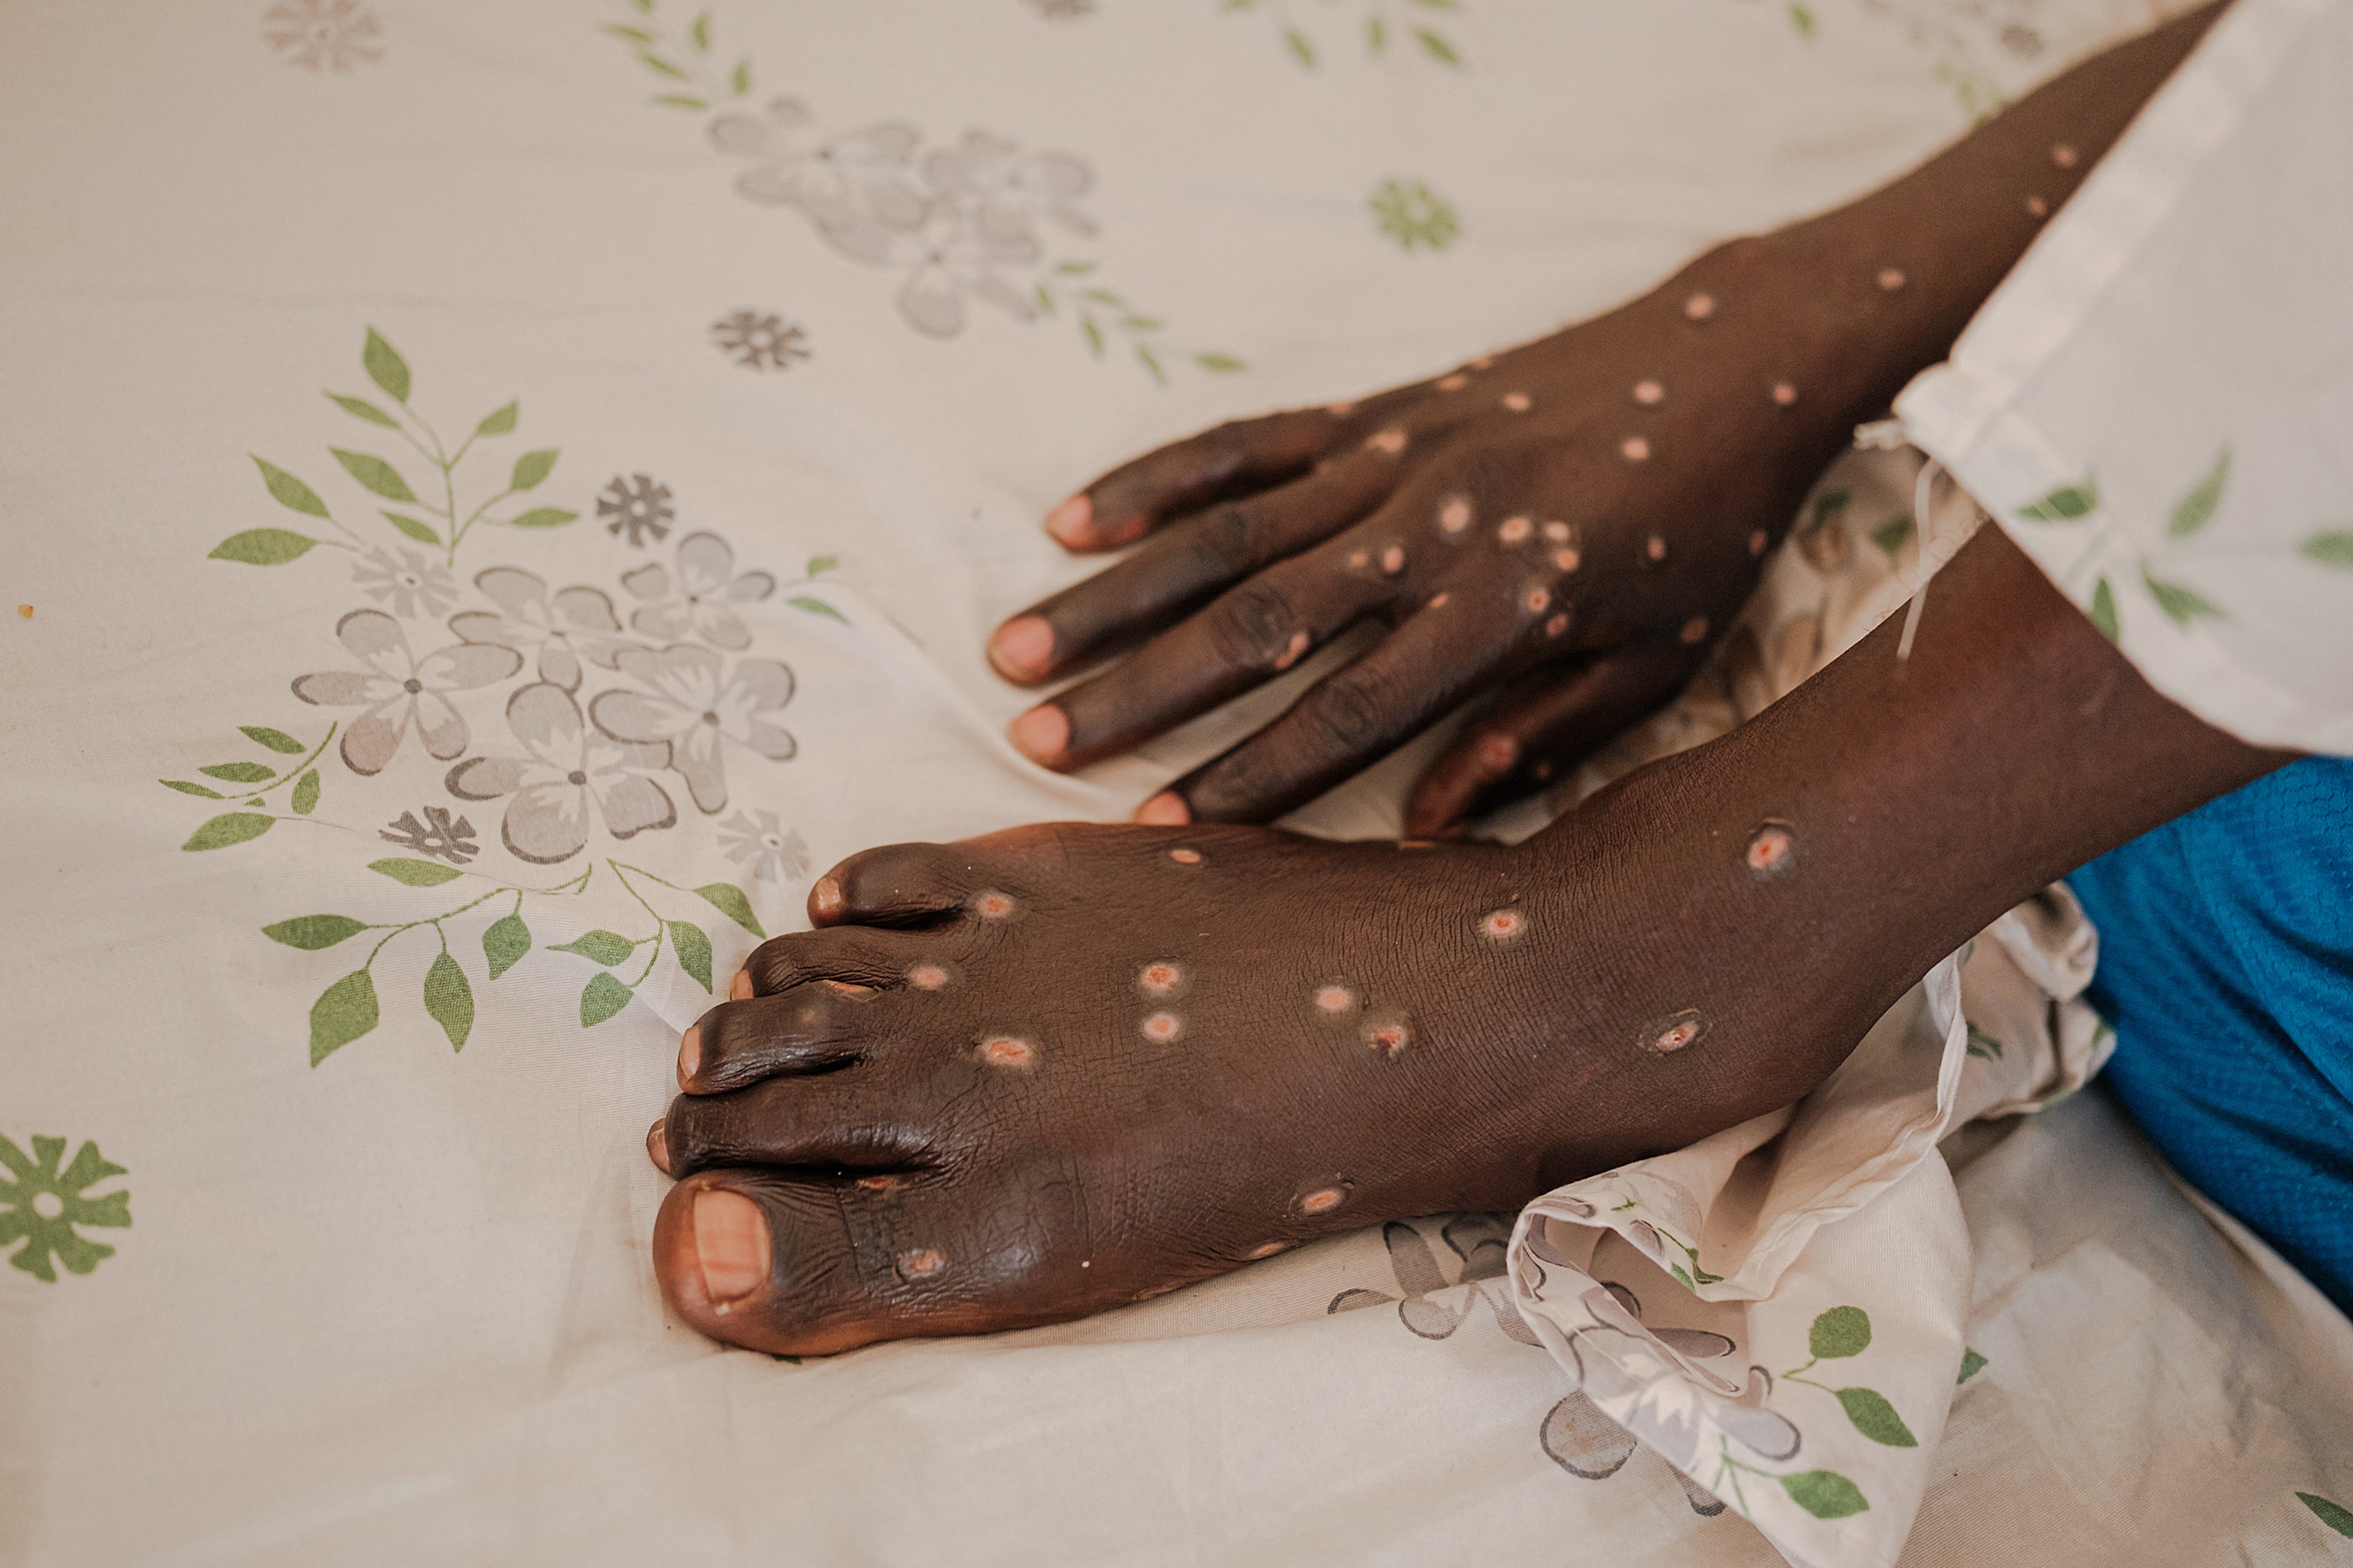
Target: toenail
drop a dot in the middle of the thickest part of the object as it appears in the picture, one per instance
(1268, 1249)
(1292, 650)
(1387, 1040)
(730, 1241)
(1557, 531)
(1649, 392)
(992, 905)
(1163, 1028)
(921, 1263)
(1501, 925)
(1160, 978)
(1008, 1051)
(1498, 754)
(1517, 403)
(1514, 530)
(826, 897)
(690, 1056)
(1700, 307)
(1565, 559)
(740, 989)
(1455, 382)
(1335, 999)
(1655, 548)
(1166, 810)
(1393, 560)
(1890, 279)
(1784, 394)
(1186, 856)
(1635, 449)
(1022, 647)
(1455, 514)
(1390, 441)
(1323, 1199)
(1770, 849)
(1674, 1034)
(1756, 541)
(658, 1145)
(1694, 630)
(1558, 625)
(1041, 734)
(1068, 523)
(927, 977)
(1538, 601)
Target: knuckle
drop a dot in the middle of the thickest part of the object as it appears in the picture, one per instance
(1251, 622)
(1344, 713)
(1227, 538)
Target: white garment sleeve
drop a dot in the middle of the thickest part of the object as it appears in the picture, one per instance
(2158, 403)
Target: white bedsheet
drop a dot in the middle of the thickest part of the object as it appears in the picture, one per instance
(380, 1301)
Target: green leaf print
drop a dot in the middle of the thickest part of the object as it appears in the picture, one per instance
(276, 739)
(603, 997)
(239, 773)
(361, 409)
(634, 35)
(1437, 47)
(262, 547)
(2196, 510)
(1840, 1332)
(2104, 609)
(311, 932)
(2064, 504)
(185, 787)
(1300, 47)
(505, 942)
(700, 33)
(2336, 1516)
(343, 1012)
(816, 607)
(605, 947)
(229, 827)
(818, 565)
(1892, 536)
(289, 492)
(542, 517)
(414, 528)
(2333, 549)
(450, 1000)
(532, 468)
(729, 900)
(693, 950)
(1825, 1494)
(499, 421)
(1875, 1418)
(1218, 364)
(1684, 1279)
(376, 474)
(48, 1229)
(1972, 1363)
(740, 83)
(414, 873)
(385, 367)
(1983, 1046)
(2181, 604)
(1801, 20)
(305, 796)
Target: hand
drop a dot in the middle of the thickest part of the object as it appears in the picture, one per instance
(1578, 519)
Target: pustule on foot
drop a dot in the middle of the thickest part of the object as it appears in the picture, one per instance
(1161, 1028)
(921, 1263)
(928, 976)
(1335, 1000)
(1161, 977)
(1387, 1037)
(1771, 850)
(1674, 1033)
(1322, 1196)
(991, 905)
(1009, 1051)
(1502, 925)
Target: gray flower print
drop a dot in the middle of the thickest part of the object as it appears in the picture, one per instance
(855, 187)
(987, 200)
(399, 691)
(437, 836)
(760, 342)
(637, 506)
(697, 599)
(565, 628)
(776, 853)
(569, 769)
(692, 705)
(323, 35)
(410, 585)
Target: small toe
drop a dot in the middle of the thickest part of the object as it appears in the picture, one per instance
(810, 1028)
(901, 884)
(862, 1118)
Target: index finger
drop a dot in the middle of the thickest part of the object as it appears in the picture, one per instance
(1234, 459)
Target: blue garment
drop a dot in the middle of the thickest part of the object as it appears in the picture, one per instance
(2226, 965)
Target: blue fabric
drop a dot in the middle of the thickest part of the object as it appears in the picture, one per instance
(2226, 966)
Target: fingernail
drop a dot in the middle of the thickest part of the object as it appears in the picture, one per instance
(1022, 647)
(1042, 734)
(690, 1055)
(1166, 810)
(825, 899)
(741, 991)
(1068, 521)
(730, 1241)
(658, 1145)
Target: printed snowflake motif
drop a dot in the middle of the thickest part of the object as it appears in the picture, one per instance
(46, 1204)
(437, 836)
(323, 35)
(760, 342)
(1413, 215)
(775, 852)
(638, 507)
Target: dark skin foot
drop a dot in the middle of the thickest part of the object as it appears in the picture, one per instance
(1031, 1076)
(1568, 525)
